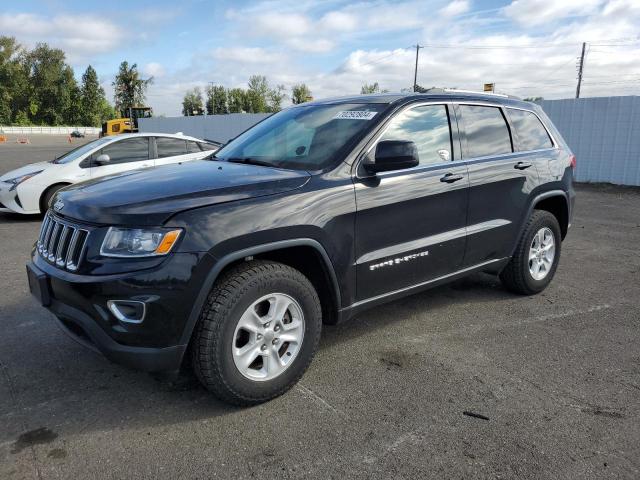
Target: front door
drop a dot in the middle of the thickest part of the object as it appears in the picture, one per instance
(410, 224)
(126, 154)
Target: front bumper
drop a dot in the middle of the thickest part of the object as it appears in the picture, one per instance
(158, 343)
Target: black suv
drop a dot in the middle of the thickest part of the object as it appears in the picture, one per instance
(313, 215)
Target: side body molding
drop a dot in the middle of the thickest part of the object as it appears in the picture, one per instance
(221, 263)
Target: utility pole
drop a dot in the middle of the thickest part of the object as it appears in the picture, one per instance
(415, 73)
(580, 69)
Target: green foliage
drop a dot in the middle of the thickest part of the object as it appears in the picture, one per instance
(130, 90)
(236, 100)
(257, 94)
(38, 87)
(373, 88)
(300, 93)
(217, 101)
(275, 98)
(534, 99)
(192, 103)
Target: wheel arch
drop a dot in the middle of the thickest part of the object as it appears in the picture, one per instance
(318, 268)
(556, 203)
(43, 195)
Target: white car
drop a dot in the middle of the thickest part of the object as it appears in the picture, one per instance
(29, 189)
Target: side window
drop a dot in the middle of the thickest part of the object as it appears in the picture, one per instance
(193, 147)
(126, 150)
(428, 128)
(170, 147)
(531, 133)
(486, 131)
(207, 146)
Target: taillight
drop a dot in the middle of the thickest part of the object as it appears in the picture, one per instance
(572, 161)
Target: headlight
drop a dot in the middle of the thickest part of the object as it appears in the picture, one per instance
(138, 242)
(18, 180)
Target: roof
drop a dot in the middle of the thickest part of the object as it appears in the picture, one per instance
(161, 134)
(431, 94)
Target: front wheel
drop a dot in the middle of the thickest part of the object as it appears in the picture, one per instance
(257, 333)
(536, 257)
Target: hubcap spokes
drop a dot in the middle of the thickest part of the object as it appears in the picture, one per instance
(542, 253)
(268, 337)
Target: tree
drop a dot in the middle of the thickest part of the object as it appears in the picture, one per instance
(130, 90)
(257, 94)
(533, 99)
(219, 100)
(13, 79)
(192, 102)
(236, 100)
(373, 88)
(276, 96)
(92, 99)
(300, 93)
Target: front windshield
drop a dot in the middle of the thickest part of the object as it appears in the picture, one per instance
(78, 152)
(303, 137)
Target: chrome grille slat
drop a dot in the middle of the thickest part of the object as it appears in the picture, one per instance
(61, 243)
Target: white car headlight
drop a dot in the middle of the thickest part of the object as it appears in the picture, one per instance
(22, 178)
(139, 242)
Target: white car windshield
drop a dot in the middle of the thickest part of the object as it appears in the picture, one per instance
(80, 151)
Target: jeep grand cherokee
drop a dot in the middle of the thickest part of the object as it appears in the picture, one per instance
(315, 214)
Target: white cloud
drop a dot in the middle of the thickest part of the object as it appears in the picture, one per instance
(78, 35)
(154, 69)
(538, 12)
(252, 55)
(338, 21)
(457, 7)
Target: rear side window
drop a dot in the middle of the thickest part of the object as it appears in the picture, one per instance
(193, 147)
(530, 132)
(170, 147)
(207, 146)
(486, 131)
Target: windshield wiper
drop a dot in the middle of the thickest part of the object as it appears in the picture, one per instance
(249, 160)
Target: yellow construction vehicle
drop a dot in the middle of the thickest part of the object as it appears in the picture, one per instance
(128, 123)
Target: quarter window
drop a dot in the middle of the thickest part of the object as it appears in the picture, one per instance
(170, 147)
(486, 131)
(428, 128)
(126, 150)
(530, 132)
(193, 147)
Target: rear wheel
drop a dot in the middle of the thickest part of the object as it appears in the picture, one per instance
(536, 257)
(257, 333)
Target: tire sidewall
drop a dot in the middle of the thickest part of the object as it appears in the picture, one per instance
(273, 283)
(550, 222)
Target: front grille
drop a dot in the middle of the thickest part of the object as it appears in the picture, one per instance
(61, 243)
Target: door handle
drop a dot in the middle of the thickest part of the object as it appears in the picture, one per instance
(450, 178)
(522, 165)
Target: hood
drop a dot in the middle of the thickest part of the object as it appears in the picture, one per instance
(151, 196)
(33, 167)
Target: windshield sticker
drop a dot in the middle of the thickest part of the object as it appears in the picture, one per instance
(355, 115)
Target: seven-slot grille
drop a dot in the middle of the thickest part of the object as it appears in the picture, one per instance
(60, 243)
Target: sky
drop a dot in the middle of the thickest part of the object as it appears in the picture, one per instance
(526, 47)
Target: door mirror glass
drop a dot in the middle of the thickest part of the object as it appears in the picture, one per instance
(394, 155)
(102, 159)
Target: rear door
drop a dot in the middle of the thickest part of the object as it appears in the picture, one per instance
(410, 224)
(173, 150)
(500, 181)
(124, 154)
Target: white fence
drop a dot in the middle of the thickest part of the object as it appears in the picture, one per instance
(603, 133)
(47, 130)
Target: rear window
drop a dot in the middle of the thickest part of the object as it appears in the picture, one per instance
(170, 147)
(530, 132)
(486, 131)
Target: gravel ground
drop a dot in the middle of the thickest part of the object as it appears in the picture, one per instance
(556, 378)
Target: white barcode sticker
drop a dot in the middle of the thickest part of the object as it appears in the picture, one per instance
(355, 115)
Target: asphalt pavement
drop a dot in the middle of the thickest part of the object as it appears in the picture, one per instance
(462, 381)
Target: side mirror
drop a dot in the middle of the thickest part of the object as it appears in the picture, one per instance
(102, 159)
(394, 155)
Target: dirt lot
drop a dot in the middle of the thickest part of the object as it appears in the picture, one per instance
(557, 375)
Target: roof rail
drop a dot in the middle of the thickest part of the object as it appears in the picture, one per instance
(456, 90)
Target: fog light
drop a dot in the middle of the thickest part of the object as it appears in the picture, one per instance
(129, 311)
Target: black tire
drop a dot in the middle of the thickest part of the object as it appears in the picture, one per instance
(45, 201)
(516, 276)
(213, 338)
